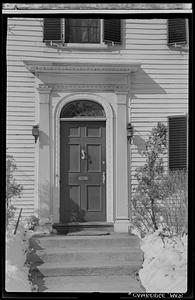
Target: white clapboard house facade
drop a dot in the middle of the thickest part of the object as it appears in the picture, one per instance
(82, 98)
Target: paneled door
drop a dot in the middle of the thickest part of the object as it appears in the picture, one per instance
(82, 171)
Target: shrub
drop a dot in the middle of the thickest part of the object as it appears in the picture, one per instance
(13, 190)
(149, 177)
(174, 207)
(32, 222)
(160, 199)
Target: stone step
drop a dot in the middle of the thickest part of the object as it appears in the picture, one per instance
(85, 262)
(62, 241)
(83, 268)
(120, 254)
(77, 284)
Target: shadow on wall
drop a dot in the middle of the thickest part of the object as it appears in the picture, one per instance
(140, 143)
(44, 204)
(43, 139)
(142, 83)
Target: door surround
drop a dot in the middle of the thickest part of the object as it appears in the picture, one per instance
(105, 82)
(109, 152)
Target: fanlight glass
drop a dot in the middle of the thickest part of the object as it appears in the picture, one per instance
(82, 108)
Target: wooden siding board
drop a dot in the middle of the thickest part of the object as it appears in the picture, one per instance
(22, 83)
(24, 110)
(20, 119)
(162, 96)
(157, 59)
(28, 100)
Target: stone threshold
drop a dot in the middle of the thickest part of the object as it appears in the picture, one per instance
(65, 228)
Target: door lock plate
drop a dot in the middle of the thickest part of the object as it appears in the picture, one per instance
(82, 178)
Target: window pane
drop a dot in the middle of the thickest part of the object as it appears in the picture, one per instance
(82, 108)
(82, 31)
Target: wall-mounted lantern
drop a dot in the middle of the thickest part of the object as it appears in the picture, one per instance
(35, 132)
(130, 131)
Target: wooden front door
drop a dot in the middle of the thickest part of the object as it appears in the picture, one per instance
(82, 171)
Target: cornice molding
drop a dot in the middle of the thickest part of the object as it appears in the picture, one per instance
(36, 67)
(88, 87)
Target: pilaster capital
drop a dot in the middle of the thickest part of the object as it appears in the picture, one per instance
(122, 98)
(44, 93)
(121, 89)
(44, 89)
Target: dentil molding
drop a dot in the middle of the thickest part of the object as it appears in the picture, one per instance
(42, 88)
(37, 67)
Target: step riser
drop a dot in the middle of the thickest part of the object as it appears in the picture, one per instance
(97, 243)
(113, 284)
(98, 257)
(82, 271)
(66, 230)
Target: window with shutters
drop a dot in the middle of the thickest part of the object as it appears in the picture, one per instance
(82, 31)
(177, 31)
(177, 133)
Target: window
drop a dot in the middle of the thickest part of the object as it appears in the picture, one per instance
(82, 31)
(177, 31)
(177, 132)
(82, 108)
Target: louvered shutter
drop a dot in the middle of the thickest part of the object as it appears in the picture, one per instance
(177, 142)
(112, 31)
(52, 30)
(177, 31)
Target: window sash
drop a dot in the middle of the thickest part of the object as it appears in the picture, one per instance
(82, 31)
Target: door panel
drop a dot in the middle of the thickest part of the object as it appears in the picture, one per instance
(94, 198)
(82, 171)
(73, 195)
(74, 158)
(94, 158)
(93, 132)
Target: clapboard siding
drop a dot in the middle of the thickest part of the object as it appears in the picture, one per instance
(158, 90)
(20, 117)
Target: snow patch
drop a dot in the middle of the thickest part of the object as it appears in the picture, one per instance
(16, 279)
(165, 263)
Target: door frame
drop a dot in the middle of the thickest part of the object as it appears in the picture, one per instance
(109, 152)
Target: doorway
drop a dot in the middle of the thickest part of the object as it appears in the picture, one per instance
(82, 167)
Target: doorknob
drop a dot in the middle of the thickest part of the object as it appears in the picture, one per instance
(83, 154)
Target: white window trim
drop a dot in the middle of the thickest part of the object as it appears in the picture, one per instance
(63, 45)
(90, 45)
(85, 46)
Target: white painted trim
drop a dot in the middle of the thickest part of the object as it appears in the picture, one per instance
(95, 11)
(36, 153)
(82, 119)
(109, 151)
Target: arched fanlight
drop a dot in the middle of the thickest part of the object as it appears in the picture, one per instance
(82, 108)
